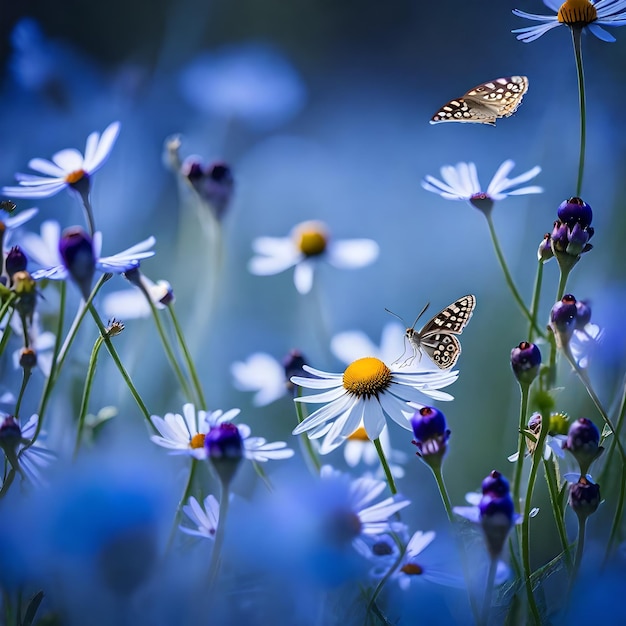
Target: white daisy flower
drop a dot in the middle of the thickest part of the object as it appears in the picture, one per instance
(262, 374)
(460, 182)
(590, 15)
(29, 459)
(68, 168)
(308, 243)
(204, 517)
(366, 392)
(184, 434)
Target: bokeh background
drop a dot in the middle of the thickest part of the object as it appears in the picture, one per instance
(322, 108)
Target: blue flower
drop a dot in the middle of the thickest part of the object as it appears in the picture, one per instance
(589, 15)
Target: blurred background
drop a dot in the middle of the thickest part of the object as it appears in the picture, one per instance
(321, 109)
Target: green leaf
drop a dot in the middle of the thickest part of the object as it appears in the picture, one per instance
(31, 609)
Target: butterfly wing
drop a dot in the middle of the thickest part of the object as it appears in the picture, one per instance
(443, 349)
(453, 319)
(486, 102)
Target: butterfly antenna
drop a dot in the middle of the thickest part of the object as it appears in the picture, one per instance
(392, 313)
(420, 314)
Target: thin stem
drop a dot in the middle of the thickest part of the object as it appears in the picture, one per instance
(84, 403)
(621, 413)
(521, 444)
(580, 547)
(91, 226)
(507, 275)
(307, 445)
(27, 371)
(219, 536)
(534, 305)
(183, 499)
(491, 577)
(576, 41)
(382, 582)
(118, 362)
(563, 276)
(443, 492)
(383, 461)
(187, 356)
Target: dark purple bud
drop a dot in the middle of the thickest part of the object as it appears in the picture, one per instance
(192, 169)
(10, 434)
(497, 512)
(431, 434)
(382, 548)
(214, 184)
(76, 249)
(584, 498)
(577, 240)
(28, 359)
(583, 441)
(224, 447)
(293, 364)
(583, 315)
(544, 253)
(559, 237)
(575, 211)
(563, 317)
(526, 361)
(16, 261)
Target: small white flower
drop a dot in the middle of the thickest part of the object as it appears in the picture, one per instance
(205, 518)
(460, 182)
(308, 243)
(68, 168)
(586, 14)
(366, 393)
(260, 373)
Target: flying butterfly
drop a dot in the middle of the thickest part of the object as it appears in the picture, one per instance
(485, 103)
(438, 336)
(8, 206)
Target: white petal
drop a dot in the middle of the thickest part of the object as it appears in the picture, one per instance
(41, 191)
(104, 148)
(352, 253)
(352, 345)
(418, 542)
(69, 160)
(499, 177)
(268, 266)
(46, 167)
(303, 276)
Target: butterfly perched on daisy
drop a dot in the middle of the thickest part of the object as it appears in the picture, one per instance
(485, 103)
(438, 336)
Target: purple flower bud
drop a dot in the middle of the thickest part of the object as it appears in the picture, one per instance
(583, 441)
(10, 434)
(293, 364)
(559, 237)
(497, 512)
(76, 250)
(16, 261)
(431, 435)
(224, 447)
(583, 314)
(192, 169)
(563, 318)
(525, 361)
(544, 253)
(28, 359)
(214, 184)
(575, 211)
(584, 498)
(577, 240)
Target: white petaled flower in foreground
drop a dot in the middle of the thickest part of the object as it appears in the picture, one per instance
(460, 182)
(69, 169)
(589, 15)
(308, 243)
(205, 518)
(185, 434)
(366, 393)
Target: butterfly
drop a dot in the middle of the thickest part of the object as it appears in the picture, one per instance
(8, 206)
(438, 336)
(485, 103)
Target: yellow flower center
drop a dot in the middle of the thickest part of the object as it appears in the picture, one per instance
(73, 177)
(360, 434)
(366, 377)
(559, 424)
(577, 12)
(412, 569)
(197, 441)
(311, 238)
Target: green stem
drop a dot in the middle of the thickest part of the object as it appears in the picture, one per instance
(118, 362)
(621, 413)
(84, 403)
(25, 378)
(580, 547)
(219, 536)
(576, 41)
(443, 491)
(521, 444)
(563, 276)
(557, 512)
(88, 212)
(491, 577)
(307, 445)
(534, 305)
(6, 305)
(187, 356)
(383, 581)
(383, 461)
(507, 275)
(183, 499)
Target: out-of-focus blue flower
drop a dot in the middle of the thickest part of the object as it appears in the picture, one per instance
(69, 169)
(252, 82)
(589, 15)
(205, 518)
(12, 222)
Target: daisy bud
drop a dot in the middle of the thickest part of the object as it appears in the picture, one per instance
(575, 211)
(583, 314)
(26, 290)
(224, 447)
(214, 184)
(583, 441)
(76, 250)
(10, 439)
(563, 318)
(584, 498)
(28, 359)
(577, 240)
(544, 253)
(497, 513)
(431, 435)
(16, 261)
(525, 361)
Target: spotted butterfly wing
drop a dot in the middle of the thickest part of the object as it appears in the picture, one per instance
(485, 103)
(438, 336)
